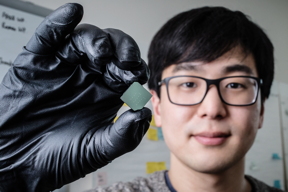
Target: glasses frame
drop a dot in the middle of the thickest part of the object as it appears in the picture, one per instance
(209, 82)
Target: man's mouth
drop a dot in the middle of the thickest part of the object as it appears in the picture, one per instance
(211, 138)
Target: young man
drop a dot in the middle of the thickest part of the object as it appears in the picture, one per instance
(211, 72)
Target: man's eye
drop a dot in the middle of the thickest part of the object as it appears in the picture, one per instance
(188, 84)
(235, 85)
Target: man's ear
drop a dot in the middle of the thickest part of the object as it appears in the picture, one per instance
(156, 108)
(261, 114)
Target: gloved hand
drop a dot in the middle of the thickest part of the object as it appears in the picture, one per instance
(59, 99)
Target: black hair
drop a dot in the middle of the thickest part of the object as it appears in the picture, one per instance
(205, 34)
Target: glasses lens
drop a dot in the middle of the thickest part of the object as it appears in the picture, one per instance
(186, 90)
(239, 90)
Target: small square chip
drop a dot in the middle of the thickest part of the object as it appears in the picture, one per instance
(136, 96)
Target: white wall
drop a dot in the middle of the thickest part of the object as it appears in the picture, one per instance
(141, 19)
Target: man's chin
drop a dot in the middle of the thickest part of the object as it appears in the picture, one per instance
(212, 167)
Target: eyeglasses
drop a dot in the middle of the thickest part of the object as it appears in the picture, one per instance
(233, 90)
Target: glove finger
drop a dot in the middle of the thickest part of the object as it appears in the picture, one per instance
(84, 151)
(127, 51)
(123, 136)
(127, 66)
(119, 80)
(88, 45)
(54, 28)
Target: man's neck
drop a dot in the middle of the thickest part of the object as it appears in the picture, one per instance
(185, 179)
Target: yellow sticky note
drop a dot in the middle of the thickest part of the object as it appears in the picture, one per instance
(153, 122)
(125, 105)
(161, 166)
(152, 167)
(152, 134)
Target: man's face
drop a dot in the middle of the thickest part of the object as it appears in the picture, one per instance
(209, 137)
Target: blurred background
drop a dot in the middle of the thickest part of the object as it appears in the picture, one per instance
(267, 160)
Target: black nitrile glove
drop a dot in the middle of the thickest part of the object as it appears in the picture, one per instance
(58, 102)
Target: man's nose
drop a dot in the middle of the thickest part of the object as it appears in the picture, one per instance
(212, 106)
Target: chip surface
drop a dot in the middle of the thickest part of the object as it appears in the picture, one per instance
(136, 96)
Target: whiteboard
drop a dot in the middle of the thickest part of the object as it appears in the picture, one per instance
(283, 91)
(16, 28)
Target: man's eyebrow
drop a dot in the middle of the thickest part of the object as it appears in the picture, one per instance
(238, 68)
(184, 66)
